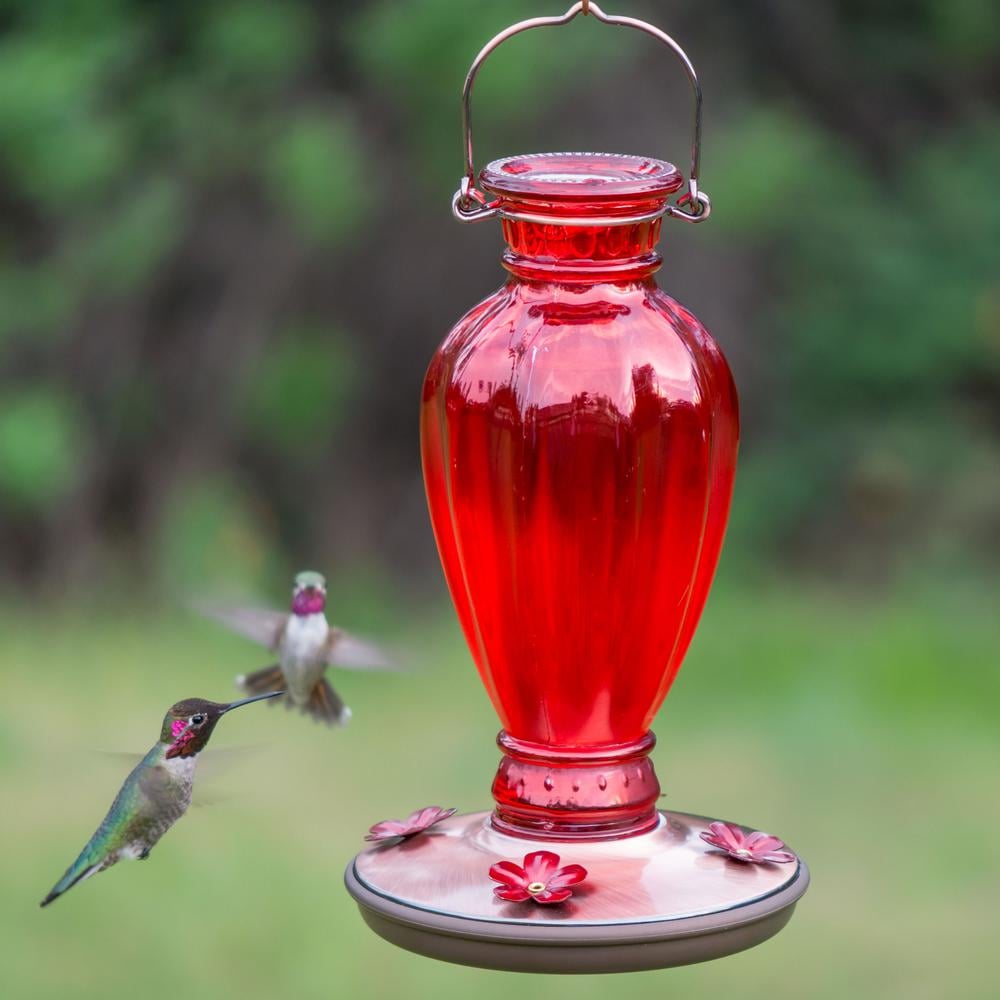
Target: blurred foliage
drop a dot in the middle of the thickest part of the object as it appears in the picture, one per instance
(317, 175)
(123, 255)
(889, 381)
(210, 535)
(224, 262)
(37, 447)
(301, 386)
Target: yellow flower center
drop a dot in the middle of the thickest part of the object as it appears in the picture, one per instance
(536, 887)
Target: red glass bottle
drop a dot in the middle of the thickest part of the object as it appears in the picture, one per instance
(579, 432)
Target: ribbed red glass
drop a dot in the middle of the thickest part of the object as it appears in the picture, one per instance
(579, 433)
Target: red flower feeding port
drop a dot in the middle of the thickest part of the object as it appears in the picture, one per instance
(397, 830)
(540, 878)
(579, 431)
(754, 848)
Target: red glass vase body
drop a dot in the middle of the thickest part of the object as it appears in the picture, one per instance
(579, 432)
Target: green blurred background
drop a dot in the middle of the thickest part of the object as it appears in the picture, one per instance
(226, 256)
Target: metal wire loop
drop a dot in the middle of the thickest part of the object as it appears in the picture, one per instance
(701, 202)
(471, 205)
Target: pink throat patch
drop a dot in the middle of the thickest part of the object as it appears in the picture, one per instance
(183, 734)
(308, 602)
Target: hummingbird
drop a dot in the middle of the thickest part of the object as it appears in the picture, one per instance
(155, 795)
(306, 644)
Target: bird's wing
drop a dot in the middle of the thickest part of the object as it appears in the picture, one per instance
(262, 625)
(348, 651)
(213, 765)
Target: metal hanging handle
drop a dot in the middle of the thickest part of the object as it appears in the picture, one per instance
(470, 204)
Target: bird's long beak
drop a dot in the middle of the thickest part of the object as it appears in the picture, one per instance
(247, 701)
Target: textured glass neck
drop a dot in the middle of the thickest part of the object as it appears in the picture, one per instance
(581, 253)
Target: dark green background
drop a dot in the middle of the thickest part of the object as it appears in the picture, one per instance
(226, 255)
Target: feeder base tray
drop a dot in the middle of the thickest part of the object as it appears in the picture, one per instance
(660, 899)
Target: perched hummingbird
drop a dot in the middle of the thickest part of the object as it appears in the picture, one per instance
(155, 795)
(306, 645)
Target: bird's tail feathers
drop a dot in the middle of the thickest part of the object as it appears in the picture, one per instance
(262, 681)
(82, 868)
(326, 706)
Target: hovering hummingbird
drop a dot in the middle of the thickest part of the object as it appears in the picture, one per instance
(306, 645)
(155, 795)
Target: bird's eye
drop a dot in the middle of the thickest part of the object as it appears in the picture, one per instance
(197, 720)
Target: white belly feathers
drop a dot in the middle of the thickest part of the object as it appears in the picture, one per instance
(302, 652)
(181, 769)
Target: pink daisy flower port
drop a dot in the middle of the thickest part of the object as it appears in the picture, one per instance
(754, 847)
(540, 879)
(402, 829)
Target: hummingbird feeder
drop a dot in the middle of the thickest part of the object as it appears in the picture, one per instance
(579, 432)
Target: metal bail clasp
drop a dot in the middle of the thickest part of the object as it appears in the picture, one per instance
(470, 205)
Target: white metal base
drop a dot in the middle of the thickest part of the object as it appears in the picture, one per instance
(660, 899)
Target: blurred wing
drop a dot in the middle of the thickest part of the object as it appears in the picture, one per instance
(200, 798)
(157, 785)
(213, 765)
(262, 625)
(125, 756)
(211, 757)
(352, 653)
